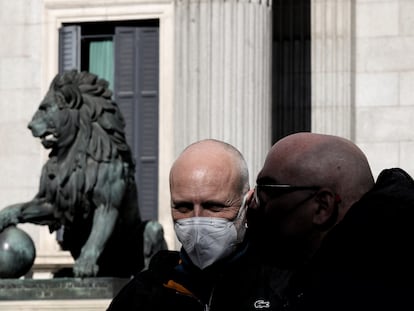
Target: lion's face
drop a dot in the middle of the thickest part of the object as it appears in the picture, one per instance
(52, 122)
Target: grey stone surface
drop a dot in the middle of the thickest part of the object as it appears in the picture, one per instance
(62, 288)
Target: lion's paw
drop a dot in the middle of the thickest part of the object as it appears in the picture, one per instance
(85, 268)
(8, 218)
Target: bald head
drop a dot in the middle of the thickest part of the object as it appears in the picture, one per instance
(321, 160)
(211, 154)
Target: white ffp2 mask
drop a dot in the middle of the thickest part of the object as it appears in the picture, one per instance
(208, 239)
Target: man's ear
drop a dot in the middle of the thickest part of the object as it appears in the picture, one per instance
(326, 213)
(250, 201)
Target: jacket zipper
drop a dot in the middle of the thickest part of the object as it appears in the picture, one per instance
(208, 306)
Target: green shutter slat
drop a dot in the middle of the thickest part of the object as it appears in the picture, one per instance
(148, 86)
(125, 80)
(148, 64)
(69, 48)
(136, 92)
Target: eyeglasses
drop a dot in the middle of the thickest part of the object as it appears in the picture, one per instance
(273, 191)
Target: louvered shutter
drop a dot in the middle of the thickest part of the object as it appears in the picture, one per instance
(69, 48)
(136, 93)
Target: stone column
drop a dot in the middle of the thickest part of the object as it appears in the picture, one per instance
(332, 86)
(222, 75)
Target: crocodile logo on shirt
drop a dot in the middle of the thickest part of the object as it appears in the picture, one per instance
(261, 304)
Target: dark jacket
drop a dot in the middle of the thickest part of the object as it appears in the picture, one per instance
(366, 262)
(173, 283)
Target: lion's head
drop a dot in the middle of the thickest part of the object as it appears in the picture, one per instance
(80, 103)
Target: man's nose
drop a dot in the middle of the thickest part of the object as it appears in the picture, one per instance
(198, 210)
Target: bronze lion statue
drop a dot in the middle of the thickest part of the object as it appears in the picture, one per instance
(87, 188)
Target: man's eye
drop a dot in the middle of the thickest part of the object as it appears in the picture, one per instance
(214, 207)
(183, 208)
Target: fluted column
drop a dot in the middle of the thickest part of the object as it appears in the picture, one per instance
(222, 74)
(331, 33)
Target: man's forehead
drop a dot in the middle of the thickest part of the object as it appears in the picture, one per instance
(272, 164)
(202, 186)
(278, 167)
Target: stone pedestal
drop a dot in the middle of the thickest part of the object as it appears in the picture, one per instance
(63, 294)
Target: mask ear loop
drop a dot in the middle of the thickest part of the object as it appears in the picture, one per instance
(243, 207)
